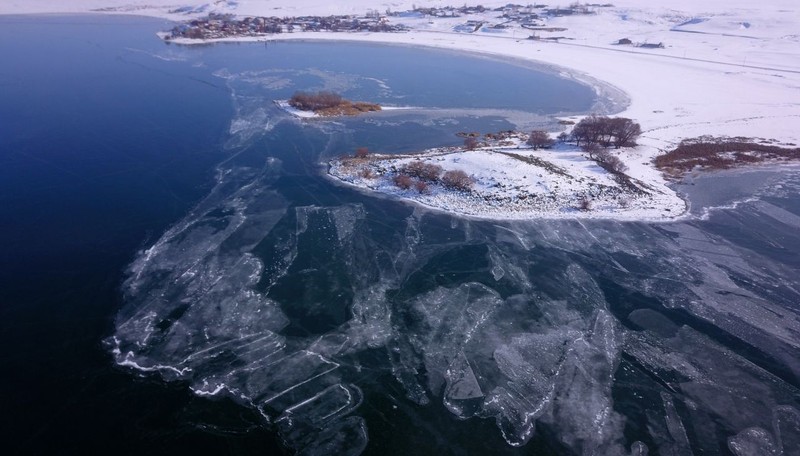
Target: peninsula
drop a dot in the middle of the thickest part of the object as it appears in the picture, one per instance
(713, 69)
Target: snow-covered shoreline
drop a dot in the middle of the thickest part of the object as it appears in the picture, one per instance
(727, 68)
(512, 181)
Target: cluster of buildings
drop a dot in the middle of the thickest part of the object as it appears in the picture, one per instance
(217, 26)
(531, 16)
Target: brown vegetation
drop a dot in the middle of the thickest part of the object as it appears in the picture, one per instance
(307, 101)
(329, 104)
(470, 143)
(457, 180)
(403, 181)
(720, 153)
(540, 139)
(422, 170)
(611, 162)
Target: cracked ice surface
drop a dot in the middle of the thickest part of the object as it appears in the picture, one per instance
(585, 330)
(338, 316)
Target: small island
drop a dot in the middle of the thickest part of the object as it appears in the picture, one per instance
(581, 174)
(519, 175)
(324, 104)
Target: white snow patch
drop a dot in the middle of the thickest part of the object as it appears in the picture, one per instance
(515, 182)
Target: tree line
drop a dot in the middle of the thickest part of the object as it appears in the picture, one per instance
(606, 132)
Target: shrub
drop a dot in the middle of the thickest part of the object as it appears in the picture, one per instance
(403, 181)
(412, 169)
(585, 204)
(361, 152)
(611, 162)
(367, 173)
(421, 186)
(431, 172)
(540, 139)
(617, 164)
(471, 143)
(457, 180)
(422, 170)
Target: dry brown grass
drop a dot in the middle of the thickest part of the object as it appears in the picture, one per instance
(329, 104)
(348, 108)
(709, 153)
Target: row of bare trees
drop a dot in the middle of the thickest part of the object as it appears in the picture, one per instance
(606, 131)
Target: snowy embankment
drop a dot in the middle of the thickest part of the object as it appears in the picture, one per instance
(284, 104)
(725, 68)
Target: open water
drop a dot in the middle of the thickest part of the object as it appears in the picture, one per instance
(178, 276)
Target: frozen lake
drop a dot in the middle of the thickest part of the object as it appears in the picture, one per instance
(264, 307)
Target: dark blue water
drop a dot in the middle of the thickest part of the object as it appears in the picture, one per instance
(169, 235)
(101, 149)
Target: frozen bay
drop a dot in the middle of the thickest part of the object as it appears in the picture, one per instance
(339, 321)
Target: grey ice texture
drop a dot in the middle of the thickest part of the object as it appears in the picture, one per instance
(517, 324)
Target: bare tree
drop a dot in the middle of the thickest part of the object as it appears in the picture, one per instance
(471, 143)
(618, 131)
(625, 131)
(592, 149)
(586, 132)
(362, 152)
(540, 139)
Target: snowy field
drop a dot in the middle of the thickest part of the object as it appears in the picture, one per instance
(726, 67)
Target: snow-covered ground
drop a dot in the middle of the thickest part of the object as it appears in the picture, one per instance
(513, 181)
(728, 67)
